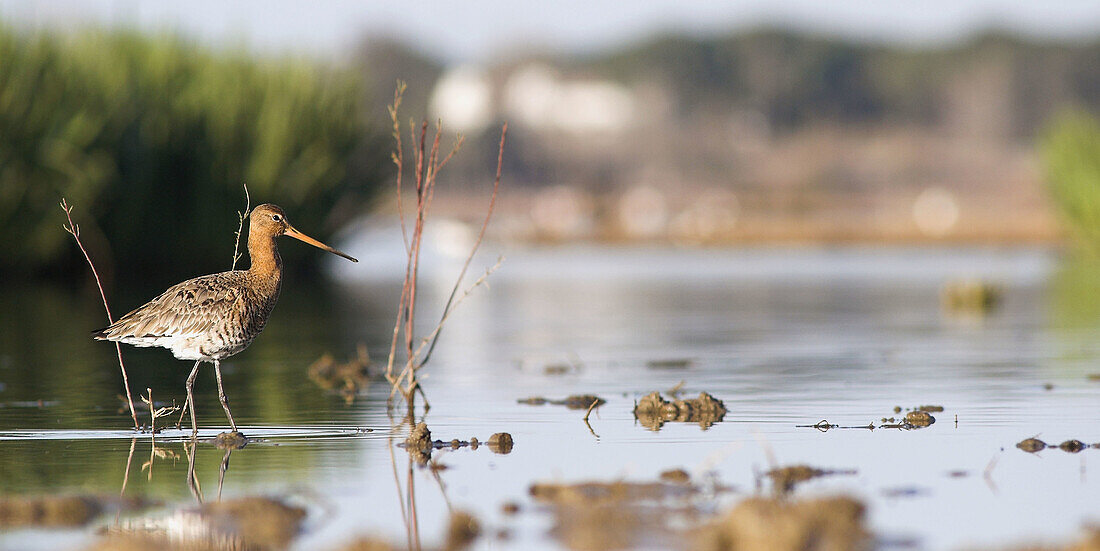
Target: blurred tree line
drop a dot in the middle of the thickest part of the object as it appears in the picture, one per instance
(762, 86)
(152, 137)
(795, 79)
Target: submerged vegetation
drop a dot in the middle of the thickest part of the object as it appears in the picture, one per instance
(148, 132)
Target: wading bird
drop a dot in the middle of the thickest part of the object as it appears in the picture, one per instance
(212, 317)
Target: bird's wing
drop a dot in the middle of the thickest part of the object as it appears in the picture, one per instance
(191, 308)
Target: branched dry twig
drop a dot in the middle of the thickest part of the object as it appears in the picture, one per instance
(398, 155)
(449, 307)
(432, 337)
(74, 230)
(155, 412)
(428, 163)
(240, 227)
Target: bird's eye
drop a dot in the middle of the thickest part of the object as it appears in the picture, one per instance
(277, 217)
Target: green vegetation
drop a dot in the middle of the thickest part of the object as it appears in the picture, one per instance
(1071, 148)
(151, 137)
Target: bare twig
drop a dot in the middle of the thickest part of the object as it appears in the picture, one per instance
(74, 230)
(428, 163)
(431, 338)
(477, 243)
(591, 407)
(152, 412)
(409, 371)
(155, 412)
(241, 216)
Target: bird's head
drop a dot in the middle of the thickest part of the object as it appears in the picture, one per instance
(269, 219)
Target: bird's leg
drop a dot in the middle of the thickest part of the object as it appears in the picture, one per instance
(221, 394)
(191, 398)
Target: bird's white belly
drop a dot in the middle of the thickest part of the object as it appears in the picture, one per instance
(192, 348)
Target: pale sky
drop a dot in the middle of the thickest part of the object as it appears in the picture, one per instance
(479, 30)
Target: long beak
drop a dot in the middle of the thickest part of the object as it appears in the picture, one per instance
(303, 237)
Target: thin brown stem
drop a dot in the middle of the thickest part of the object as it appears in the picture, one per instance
(428, 163)
(74, 230)
(240, 227)
(152, 413)
(398, 156)
(477, 244)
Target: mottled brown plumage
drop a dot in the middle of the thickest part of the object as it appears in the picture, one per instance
(213, 317)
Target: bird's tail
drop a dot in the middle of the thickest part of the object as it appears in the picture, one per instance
(100, 334)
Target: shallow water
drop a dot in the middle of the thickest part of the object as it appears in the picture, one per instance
(785, 337)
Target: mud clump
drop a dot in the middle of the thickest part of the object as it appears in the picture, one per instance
(919, 418)
(1091, 542)
(784, 479)
(653, 411)
(1034, 445)
(676, 363)
(583, 401)
(419, 438)
(368, 544)
(970, 296)
(678, 476)
(827, 524)
(501, 443)
(346, 379)
(419, 443)
(146, 542)
(462, 530)
(556, 369)
(930, 409)
(613, 515)
(230, 440)
(1031, 445)
(261, 522)
(605, 492)
(246, 523)
(55, 511)
(577, 401)
(1072, 446)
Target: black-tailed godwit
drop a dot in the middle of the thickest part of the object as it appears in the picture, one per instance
(212, 317)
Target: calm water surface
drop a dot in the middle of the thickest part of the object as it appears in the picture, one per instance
(785, 337)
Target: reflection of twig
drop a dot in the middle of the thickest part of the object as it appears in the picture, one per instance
(397, 479)
(766, 446)
(241, 216)
(675, 390)
(126, 475)
(414, 524)
(987, 474)
(442, 487)
(74, 230)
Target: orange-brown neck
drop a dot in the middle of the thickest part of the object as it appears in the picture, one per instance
(267, 265)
